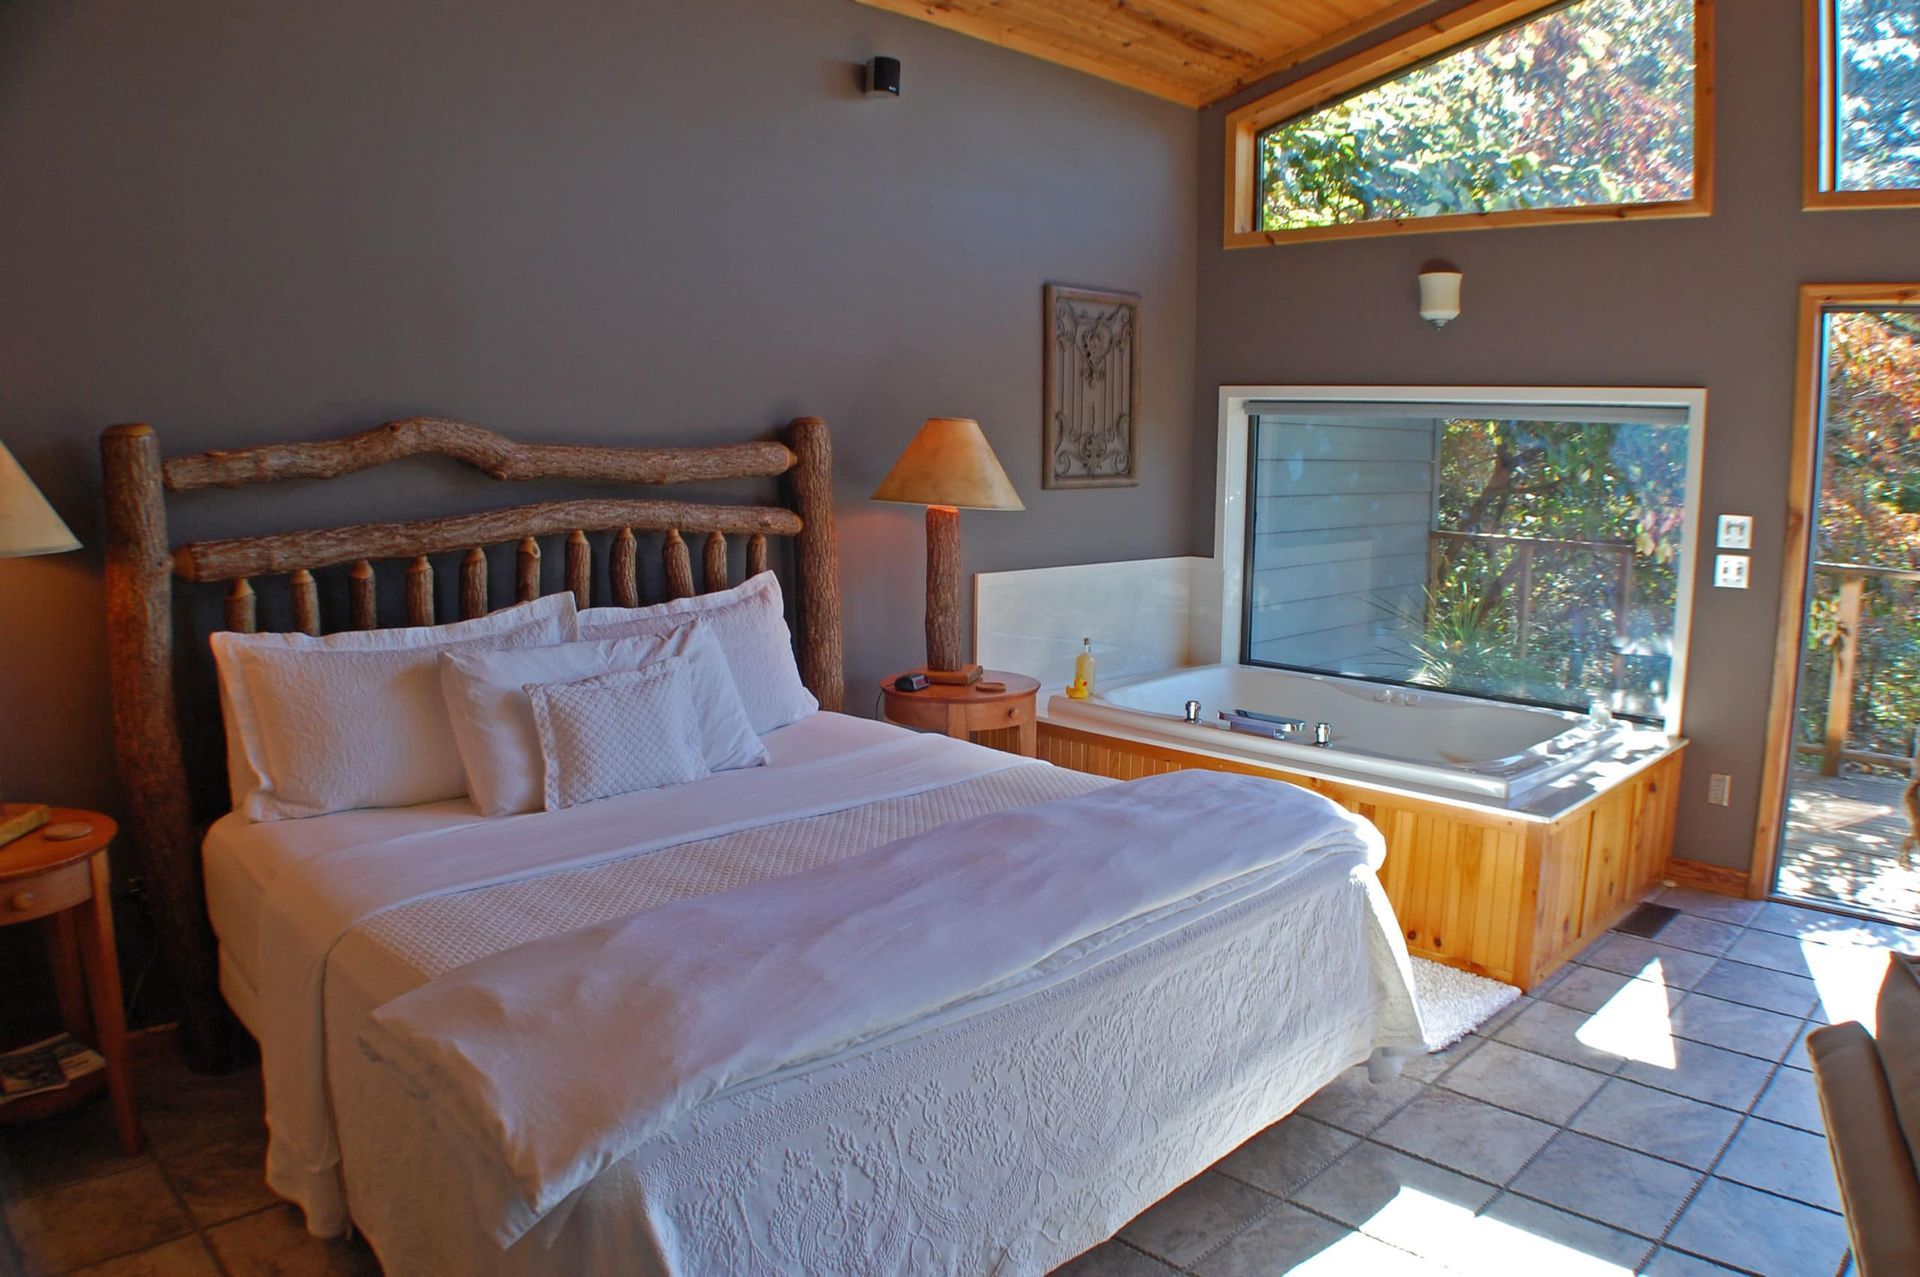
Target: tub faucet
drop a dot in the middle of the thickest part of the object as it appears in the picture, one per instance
(1193, 711)
(1278, 726)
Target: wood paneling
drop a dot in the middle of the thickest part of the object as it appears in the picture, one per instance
(1189, 51)
(1484, 890)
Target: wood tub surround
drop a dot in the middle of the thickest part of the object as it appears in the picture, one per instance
(142, 567)
(1499, 893)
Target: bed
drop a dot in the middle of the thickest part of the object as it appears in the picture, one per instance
(1002, 1121)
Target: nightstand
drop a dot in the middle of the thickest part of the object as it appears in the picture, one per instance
(961, 709)
(63, 885)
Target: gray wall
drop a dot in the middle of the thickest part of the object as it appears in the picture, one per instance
(597, 220)
(1705, 302)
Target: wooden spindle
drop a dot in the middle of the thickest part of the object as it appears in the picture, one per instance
(756, 554)
(526, 580)
(420, 592)
(306, 602)
(360, 596)
(242, 609)
(679, 566)
(579, 568)
(473, 584)
(713, 563)
(623, 569)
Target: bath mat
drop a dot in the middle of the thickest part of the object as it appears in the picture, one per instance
(1453, 1003)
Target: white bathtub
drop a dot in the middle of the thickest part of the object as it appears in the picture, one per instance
(1404, 737)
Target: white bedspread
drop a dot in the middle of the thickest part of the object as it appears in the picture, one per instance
(815, 962)
(317, 898)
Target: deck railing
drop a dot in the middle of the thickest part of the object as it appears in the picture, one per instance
(1520, 571)
(1852, 579)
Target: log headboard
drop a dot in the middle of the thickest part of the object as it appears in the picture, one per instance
(143, 564)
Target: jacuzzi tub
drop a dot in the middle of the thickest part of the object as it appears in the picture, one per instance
(1394, 735)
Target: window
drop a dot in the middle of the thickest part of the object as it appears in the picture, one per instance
(1532, 552)
(1863, 115)
(1519, 112)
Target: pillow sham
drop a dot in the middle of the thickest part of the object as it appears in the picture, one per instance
(617, 733)
(750, 622)
(492, 716)
(381, 695)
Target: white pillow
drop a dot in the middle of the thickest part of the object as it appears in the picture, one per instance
(387, 695)
(617, 733)
(750, 620)
(493, 719)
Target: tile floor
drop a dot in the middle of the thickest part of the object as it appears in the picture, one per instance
(1648, 1110)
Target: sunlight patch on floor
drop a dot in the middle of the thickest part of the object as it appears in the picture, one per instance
(1847, 978)
(1453, 1235)
(1635, 1023)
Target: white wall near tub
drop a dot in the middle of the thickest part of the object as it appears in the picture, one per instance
(1143, 616)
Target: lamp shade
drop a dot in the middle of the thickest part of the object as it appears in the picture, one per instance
(28, 524)
(950, 463)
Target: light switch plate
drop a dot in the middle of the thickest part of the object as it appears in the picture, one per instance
(1730, 571)
(1736, 532)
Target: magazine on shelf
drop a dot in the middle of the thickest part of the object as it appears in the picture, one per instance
(47, 1065)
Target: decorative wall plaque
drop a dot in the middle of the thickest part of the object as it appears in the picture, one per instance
(1092, 384)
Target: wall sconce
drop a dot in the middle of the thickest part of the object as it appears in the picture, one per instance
(1439, 294)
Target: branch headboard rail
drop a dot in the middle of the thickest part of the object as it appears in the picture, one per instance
(142, 565)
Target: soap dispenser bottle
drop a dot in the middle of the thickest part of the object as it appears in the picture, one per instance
(1082, 685)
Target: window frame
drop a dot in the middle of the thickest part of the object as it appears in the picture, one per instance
(1820, 191)
(1233, 491)
(1430, 40)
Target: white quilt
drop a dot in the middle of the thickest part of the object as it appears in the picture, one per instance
(815, 962)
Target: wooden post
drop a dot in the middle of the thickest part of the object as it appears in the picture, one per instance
(242, 610)
(818, 560)
(526, 575)
(361, 603)
(146, 734)
(580, 568)
(623, 569)
(420, 591)
(679, 566)
(713, 563)
(946, 650)
(1524, 624)
(473, 584)
(306, 602)
(1846, 650)
(756, 554)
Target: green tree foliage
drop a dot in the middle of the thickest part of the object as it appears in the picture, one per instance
(1879, 93)
(1590, 104)
(1869, 514)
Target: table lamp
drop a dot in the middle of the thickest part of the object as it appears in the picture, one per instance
(948, 467)
(28, 525)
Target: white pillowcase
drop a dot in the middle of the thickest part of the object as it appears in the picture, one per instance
(355, 719)
(493, 718)
(617, 733)
(750, 621)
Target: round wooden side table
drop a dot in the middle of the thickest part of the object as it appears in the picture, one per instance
(961, 709)
(63, 883)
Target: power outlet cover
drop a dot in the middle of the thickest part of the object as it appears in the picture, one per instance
(1730, 571)
(1720, 789)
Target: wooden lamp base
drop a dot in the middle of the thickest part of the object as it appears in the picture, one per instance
(946, 654)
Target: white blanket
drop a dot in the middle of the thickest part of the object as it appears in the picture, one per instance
(812, 963)
(316, 900)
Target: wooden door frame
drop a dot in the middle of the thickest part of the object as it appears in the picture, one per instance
(1809, 381)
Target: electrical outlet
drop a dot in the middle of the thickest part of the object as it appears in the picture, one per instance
(1736, 532)
(1730, 571)
(1720, 789)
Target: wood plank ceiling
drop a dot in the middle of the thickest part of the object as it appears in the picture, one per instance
(1190, 51)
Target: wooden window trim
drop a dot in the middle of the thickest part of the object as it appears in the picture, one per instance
(1819, 175)
(1809, 381)
(1428, 40)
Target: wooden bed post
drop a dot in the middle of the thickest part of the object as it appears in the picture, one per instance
(146, 734)
(819, 607)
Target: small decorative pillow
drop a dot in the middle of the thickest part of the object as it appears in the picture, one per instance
(493, 721)
(618, 733)
(750, 620)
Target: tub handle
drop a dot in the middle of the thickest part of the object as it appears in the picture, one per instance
(1323, 734)
(1193, 711)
